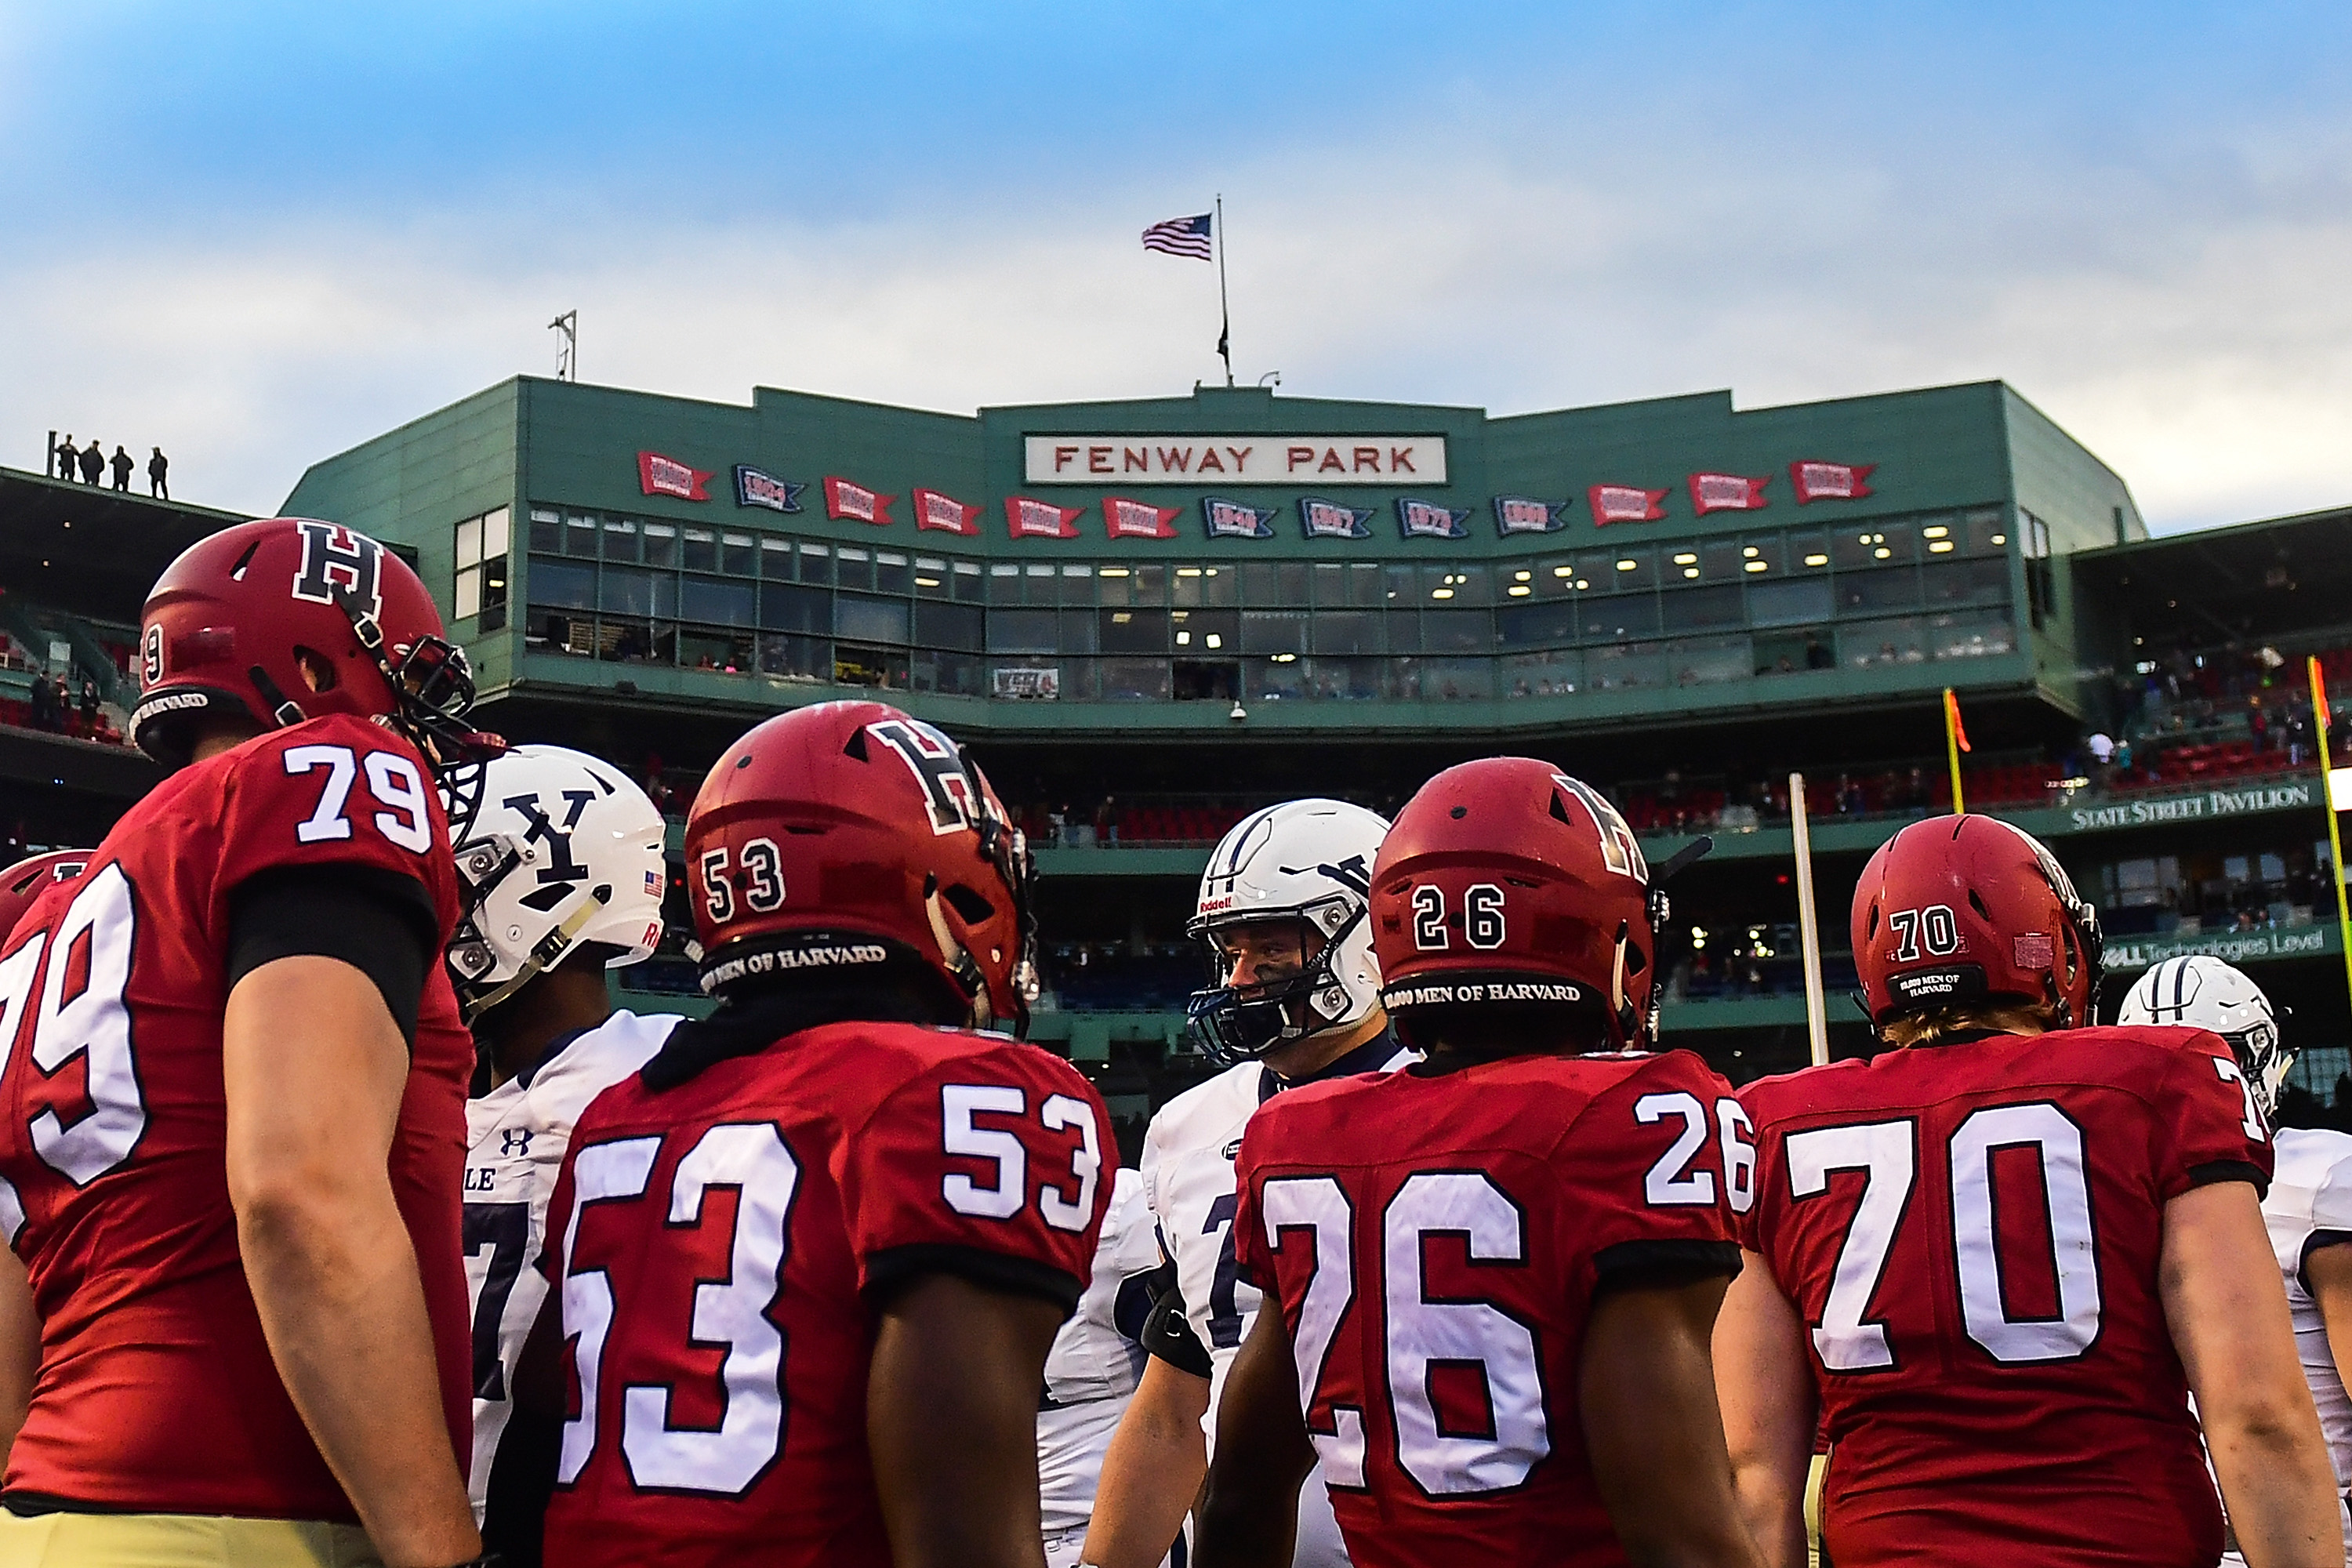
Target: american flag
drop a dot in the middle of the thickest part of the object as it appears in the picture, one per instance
(1180, 237)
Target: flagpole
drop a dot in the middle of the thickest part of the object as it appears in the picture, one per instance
(1952, 745)
(1809, 927)
(2327, 798)
(1225, 310)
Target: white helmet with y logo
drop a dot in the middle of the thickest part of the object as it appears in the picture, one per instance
(1309, 861)
(564, 851)
(2199, 991)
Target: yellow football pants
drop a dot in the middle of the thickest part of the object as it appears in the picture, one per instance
(178, 1541)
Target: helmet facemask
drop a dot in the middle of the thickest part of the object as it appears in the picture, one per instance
(1234, 1024)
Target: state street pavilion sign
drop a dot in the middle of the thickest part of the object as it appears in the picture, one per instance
(1258, 459)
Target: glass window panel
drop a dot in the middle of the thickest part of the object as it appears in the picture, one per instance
(468, 597)
(1274, 631)
(1796, 602)
(1330, 583)
(890, 573)
(1554, 577)
(1701, 608)
(1149, 585)
(1022, 631)
(738, 555)
(1398, 589)
(931, 578)
(1133, 631)
(1554, 673)
(1879, 643)
(729, 653)
(626, 591)
(1517, 580)
(1292, 577)
(1116, 584)
(1969, 636)
(948, 626)
(1862, 592)
(546, 531)
(1261, 584)
(1347, 632)
(1703, 661)
(1457, 631)
(1761, 555)
(1808, 551)
(817, 563)
(776, 558)
(1364, 585)
(785, 608)
(716, 602)
(1983, 581)
(1003, 583)
(1898, 543)
(1201, 632)
(951, 674)
(1457, 679)
(852, 567)
(469, 543)
(495, 532)
(1535, 624)
(700, 550)
(1078, 631)
(1635, 666)
(1343, 679)
(1133, 679)
(876, 667)
(1719, 560)
(1855, 548)
(1206, 680)
(661, 544)
(1281, 677)
(968, 580)
(1624, 569)
(869, 619)
(559, 586)
(1623, 615)
(1987, 533)
(797, 658)
(579, 535)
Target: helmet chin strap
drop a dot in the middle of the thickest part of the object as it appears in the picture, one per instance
(959, 964)
(550, 948)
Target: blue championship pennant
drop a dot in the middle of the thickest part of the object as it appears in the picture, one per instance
(753, 488)
(1427, 520)
(1235, 519)
(1525, 514)
(1328, 519)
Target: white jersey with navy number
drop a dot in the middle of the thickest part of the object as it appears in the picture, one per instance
(1096, 1361)
(515, 1135)
(2311, 1200)
(1188, 1178)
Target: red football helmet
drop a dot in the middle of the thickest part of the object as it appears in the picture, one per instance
(228, 625)
(27, 880)
(1958, 908)
(849, 834)
(1505, 880)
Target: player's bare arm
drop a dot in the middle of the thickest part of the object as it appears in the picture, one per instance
(20, 1346)
(1152, 1471)
(2227, 1312)
(950, 1419)
(1249, 1513)
(314, 1070)
(1646, 1386)
(1766, 1393)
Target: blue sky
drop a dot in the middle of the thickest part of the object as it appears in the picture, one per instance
(259, 234)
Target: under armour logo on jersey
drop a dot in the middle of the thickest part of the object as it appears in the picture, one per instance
(513, 1141)
(1620, 851)
(937, 766)
(556, 877)
(341, 567)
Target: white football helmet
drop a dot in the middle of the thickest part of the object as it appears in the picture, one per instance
(1304, 861)
(564, 851)
(2200, 992)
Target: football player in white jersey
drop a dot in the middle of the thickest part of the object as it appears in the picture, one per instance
(1092, 1371)
(562, 876)
(1285, 912)
(2308, 1208)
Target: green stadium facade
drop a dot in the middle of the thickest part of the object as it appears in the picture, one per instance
(1147, 617)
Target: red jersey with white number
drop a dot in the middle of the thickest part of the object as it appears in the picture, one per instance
(157, 1390)
(1970, 1234)
(1437, 1242)
(712, 1243)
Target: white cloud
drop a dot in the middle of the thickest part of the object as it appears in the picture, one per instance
(2197, 338)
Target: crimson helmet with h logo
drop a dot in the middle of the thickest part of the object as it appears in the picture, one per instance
(1506, 882)
(848, 837)
(231, 625)
(22, 885)
(1957, 909)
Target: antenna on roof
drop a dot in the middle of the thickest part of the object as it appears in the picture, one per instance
(567, 358)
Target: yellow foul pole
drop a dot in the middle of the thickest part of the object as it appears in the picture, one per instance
(1952, 745)
(2335, 835)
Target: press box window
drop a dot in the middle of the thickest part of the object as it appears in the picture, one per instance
(482, 558)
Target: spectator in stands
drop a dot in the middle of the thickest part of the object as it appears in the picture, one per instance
(123, 462)
(159, 467)
(1106, 821)
(61, 459)
(90, 704)
(93, 461)
(2123, 756)
(43, 705)
(2258, 723)
(2103, 748)
(1818, 657)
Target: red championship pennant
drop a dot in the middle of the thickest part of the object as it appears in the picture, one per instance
(660, 476)
(1031, 519)
(1830, 481)
(1625, 503)
(1124, 519)
(946, 514)
(1727, 492)
(855, 502)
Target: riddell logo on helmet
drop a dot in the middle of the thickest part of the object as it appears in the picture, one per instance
(1216, 906)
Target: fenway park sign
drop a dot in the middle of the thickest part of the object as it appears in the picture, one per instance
(1257, 459)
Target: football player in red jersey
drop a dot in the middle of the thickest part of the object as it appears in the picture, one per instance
(1498, 1268)
(1995, 1260)
(231, 1114)
(810, 1257)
